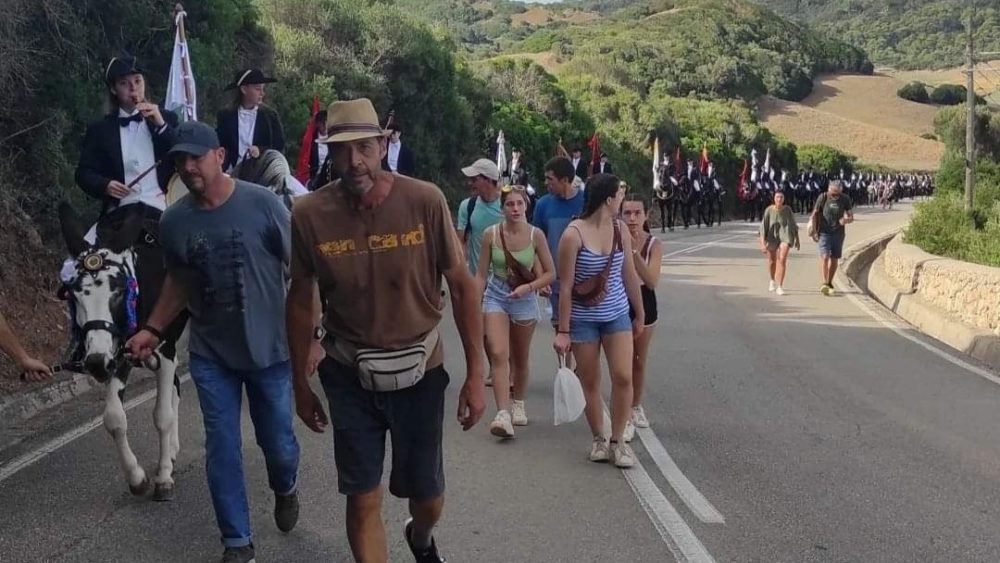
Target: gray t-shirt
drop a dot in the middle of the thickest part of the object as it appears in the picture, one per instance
(231, 259)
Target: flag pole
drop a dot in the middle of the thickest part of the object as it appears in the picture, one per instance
(179, 16)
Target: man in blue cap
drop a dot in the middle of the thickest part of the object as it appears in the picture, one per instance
(226, 245)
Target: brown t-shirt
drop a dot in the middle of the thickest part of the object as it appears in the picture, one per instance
(379, 269)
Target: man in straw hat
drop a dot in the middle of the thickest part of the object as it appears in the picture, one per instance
(248, 127)
(378, 245)
(225, 245)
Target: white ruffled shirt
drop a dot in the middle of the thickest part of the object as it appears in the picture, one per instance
(393, 157)
(138, 156)
(247, 124)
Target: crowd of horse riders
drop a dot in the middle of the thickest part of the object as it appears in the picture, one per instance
(190, 233)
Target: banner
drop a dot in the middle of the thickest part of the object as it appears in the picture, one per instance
(656, 165)
(181, 96)
(703, 165)
(306, 148)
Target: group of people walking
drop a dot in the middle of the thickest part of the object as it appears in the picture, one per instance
(589, 251)
(348, 284)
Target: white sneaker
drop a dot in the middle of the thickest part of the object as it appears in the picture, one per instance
(622, 455)
(501, 426)
(599, 449)
(629, 434)
(517, 413)
(771, 286)
(780, 290)
(639, 417)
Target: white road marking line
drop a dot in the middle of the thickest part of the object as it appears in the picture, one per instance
(895, 326)
(28, 459)
(680, 540)
(703, 245)
(673, 530)
(685, 489)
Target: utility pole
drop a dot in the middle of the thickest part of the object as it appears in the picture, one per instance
(970, 127)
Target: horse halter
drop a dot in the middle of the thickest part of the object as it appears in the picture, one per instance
(92, 263)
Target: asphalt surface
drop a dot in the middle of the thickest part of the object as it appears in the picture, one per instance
(801, 428)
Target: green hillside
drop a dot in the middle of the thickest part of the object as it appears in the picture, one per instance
(906, 34)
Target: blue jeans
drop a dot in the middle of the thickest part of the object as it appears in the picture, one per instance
(269, 395)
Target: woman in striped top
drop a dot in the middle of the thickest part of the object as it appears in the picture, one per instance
(585, 250)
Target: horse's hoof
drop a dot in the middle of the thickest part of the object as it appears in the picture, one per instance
(163, 492)
(141, 489)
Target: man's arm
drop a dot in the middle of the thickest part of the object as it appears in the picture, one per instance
(465, 303)
(173, 299)
(33, 369)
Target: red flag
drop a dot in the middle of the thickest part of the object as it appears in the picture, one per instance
(704, 159)
(305, 149)
(595, 152)
(742, 188)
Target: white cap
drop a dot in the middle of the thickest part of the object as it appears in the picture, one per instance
(483, 167)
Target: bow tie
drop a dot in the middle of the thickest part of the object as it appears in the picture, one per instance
(125, 121)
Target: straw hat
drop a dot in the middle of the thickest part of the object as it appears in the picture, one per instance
(350, 121)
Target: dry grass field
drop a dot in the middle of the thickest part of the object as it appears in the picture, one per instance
(538, 16)
(861, 116)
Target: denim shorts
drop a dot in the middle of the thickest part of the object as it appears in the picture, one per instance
(360, 418)
(832, 244)
(495, 300)
(593, 331)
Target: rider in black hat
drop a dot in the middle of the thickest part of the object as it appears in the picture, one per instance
(132, 138)
(249, 127)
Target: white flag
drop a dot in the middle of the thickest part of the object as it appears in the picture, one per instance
(181, 96)
(501, 155)
(656, 165)
(767, 162)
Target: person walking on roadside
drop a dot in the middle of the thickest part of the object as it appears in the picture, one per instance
(510, 250)
(377, 244)
(31, 368)
(226, 244)
(553, 213)
(779, 233)
(647, 252)
(479, 211)
(594, 313)
(832, 213)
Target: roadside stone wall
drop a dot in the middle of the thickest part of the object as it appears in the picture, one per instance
(969, 292)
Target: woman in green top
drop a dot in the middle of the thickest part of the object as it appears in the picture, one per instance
(778, 234)
(510, 312)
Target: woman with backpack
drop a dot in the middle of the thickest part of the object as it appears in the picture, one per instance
(510, 280)
(594, 314)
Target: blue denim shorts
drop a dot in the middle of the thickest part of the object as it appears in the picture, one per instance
(593, 331)
(832, 244)
(495, 300)
(413, 417)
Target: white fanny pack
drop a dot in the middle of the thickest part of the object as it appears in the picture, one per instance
(384, 370)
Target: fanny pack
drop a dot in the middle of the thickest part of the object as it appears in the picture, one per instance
(384, 370)
(592, 291)
(517, 273)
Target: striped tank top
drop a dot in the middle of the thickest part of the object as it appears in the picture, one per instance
(615, 303)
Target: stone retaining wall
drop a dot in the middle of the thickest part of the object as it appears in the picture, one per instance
(969, 292)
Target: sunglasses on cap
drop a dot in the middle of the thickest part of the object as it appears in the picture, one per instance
(509, 189)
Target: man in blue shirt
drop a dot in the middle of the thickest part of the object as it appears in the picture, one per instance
(483, 176)
(555, 210)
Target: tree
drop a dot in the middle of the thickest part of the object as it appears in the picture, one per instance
(915, 92)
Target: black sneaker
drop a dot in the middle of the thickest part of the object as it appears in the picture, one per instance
(243, 554)
(428, 555)
(286, 511)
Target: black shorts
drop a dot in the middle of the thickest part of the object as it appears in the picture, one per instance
(649, 307)
(360, 418)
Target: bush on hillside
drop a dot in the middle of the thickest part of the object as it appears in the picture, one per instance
(942, 227)
(949, 95)
(915, 92)
(823, 158)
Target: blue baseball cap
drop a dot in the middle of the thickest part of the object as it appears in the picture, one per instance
(194, 138)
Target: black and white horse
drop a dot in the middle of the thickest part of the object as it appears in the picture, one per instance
(115, 284)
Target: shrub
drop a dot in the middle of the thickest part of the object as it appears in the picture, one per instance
(949, 95)
(942, 227)
(822, 157)
(915, 92)
(929, 136)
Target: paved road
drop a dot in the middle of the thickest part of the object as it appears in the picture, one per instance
(786, 429)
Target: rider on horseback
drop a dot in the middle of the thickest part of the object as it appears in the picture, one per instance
(122, 164)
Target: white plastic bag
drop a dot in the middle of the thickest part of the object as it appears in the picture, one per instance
(567, 395)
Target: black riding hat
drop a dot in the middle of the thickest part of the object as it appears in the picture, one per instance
(249, 76)
(122, 65)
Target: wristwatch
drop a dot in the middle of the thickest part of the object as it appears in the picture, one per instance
(318, 333)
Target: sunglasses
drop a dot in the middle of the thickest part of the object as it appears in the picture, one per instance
(509, 189)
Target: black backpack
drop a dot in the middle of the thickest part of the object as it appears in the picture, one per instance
(468, 216)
